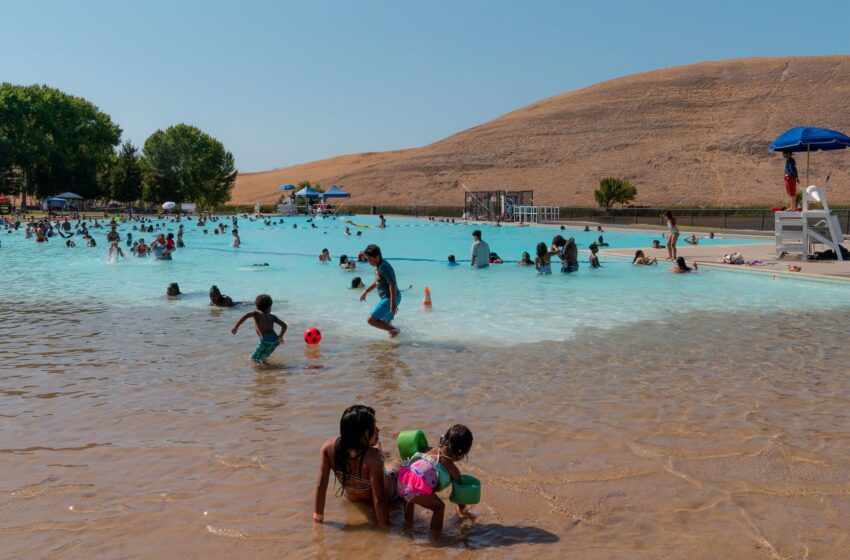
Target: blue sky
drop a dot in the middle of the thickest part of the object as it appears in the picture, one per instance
(287, 82)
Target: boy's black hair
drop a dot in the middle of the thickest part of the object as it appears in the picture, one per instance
(458, 440)
(451, 258)
(477, 233)
(264, 303)
(372, 251)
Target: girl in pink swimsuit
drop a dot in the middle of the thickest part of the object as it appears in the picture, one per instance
(427, 473)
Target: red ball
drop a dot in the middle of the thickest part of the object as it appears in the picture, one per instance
(312, 336)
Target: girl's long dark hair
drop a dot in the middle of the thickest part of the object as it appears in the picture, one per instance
(542, 249)
(669, 215)
(355, 430)
(680, 262)
(638, 254)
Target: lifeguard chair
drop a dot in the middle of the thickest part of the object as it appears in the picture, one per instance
(800, 232)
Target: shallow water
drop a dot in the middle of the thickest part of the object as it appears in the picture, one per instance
(620, 413)
(503, 304)
(145, 432)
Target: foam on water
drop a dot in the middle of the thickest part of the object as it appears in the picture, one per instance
(505, 303)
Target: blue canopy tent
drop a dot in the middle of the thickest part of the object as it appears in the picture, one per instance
(307, 192)
(69, 196)
(336, 192)
(286, 188)
(809, 139)
(54, 202)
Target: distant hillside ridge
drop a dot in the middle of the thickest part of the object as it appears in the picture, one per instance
(689, 135)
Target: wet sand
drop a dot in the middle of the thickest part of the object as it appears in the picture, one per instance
(147, 433)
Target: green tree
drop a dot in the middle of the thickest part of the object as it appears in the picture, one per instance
(613, 191)
(182, 163)
(126, 183)
(51, 142)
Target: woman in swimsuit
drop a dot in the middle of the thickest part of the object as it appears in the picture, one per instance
(141, 249)
(357, 461)
(681, 267)
(643, 260)
(219, 300)
(672, 235)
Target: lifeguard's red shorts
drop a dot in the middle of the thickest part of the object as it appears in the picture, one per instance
(791, 185)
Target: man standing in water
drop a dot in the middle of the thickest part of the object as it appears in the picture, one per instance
(791, 179)
(383, 313)
(480, 251)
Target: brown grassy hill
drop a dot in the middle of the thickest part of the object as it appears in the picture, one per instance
(696, 134)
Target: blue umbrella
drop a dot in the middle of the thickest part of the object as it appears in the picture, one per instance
(286, 188)
(809, 139)
(336, 192)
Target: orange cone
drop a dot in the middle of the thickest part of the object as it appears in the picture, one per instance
(427, 301)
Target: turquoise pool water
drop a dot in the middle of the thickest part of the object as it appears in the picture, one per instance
(503, 304)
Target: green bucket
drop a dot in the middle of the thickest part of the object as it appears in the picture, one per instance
(410, 442)
(467, 492)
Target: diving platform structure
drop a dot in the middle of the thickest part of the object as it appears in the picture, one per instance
(800, 232)
(506, 206)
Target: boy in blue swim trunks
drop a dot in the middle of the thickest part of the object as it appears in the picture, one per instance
(383, 313)
(264, 323)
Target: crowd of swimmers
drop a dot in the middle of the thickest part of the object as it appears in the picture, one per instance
(389, 295)
(567, 252)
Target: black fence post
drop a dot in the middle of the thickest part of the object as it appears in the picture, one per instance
(725, 214)
(762, 220)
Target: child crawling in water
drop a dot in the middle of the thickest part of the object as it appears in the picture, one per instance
(264, 323)
(425, 474)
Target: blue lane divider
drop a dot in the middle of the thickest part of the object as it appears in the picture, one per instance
(285, 254)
